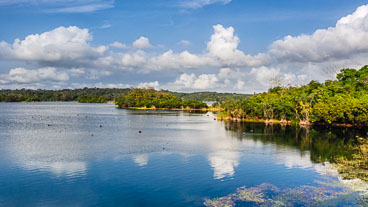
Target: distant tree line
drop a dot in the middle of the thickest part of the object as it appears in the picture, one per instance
(101, 95)
(85, 95)
(151, 98)
(344, 100)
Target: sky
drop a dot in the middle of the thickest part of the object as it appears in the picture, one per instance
(240, 46)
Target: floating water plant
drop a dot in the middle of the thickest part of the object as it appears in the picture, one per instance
(357, 167)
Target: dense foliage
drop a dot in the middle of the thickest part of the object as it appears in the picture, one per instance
(342, 101)
(92, 98)
(150, 98)
(86, 95)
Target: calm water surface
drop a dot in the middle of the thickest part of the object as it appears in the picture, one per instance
(70, 154)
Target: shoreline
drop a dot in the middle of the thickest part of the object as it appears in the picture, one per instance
(286, 122)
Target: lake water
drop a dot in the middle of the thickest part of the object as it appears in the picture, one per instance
(70, 154)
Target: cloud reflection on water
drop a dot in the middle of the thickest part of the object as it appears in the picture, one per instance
(38, 147)
(141, 159)
(70, 169)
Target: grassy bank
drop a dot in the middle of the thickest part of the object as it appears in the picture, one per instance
(222, 116)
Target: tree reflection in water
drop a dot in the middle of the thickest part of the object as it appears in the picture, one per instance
(340, 146)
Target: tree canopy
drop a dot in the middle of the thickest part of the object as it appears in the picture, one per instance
(151, 98)
(344, 100)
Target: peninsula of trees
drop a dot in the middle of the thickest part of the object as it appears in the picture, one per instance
(151, 98)
(342, 101)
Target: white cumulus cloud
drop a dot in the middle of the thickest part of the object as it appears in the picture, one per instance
(26, 76)
(224, 47)
(70, 47)
(142, 42)
(119, 45)
(63, 46)
(225, 80)
(348, 38)
(154, 84)
(191, 81)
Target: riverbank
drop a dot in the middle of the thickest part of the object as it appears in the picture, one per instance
(221, 117)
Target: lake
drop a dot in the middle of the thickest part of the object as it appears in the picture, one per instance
(71, 154)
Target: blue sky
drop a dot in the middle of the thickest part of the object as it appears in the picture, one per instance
(193, 45)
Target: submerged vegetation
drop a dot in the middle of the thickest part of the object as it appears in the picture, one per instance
(357, 165)
(344, 101)
(270, 195)
(150, 98)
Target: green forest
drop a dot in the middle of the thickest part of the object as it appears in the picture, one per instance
(85, 95)
(151, 98)
(341, 101)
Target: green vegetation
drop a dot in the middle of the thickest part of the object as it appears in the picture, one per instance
(270, 195)
(92, 99)
(85, 95)
(357, 165)
(344, 101)
(150, 98)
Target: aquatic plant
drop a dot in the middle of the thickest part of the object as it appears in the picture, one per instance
(357, 166)
(270, 195)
